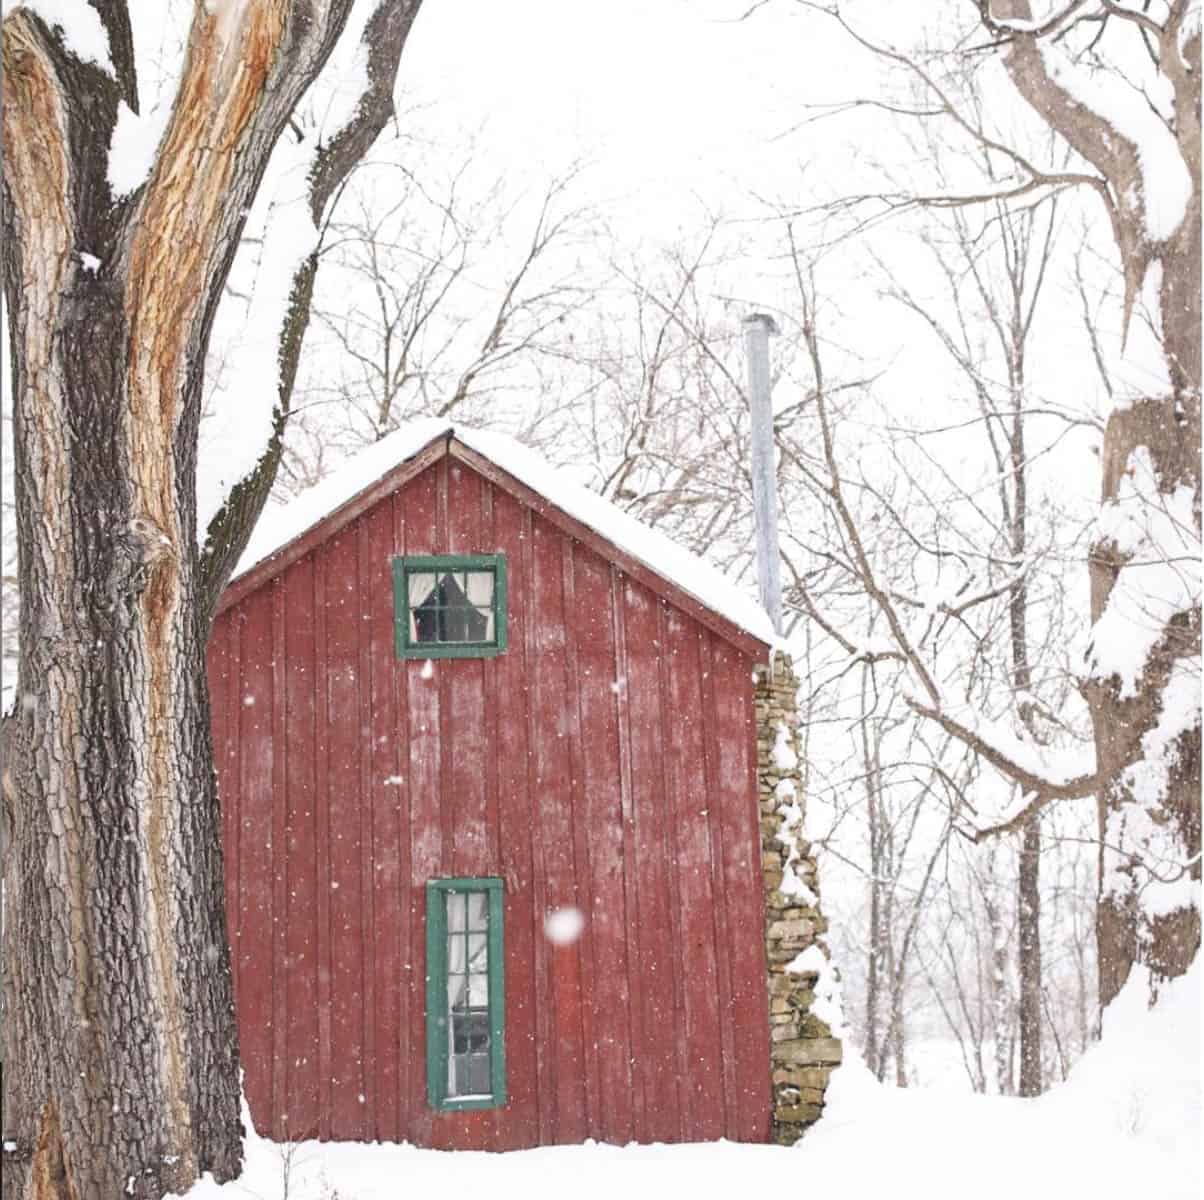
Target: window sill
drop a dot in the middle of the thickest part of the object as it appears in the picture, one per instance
(446, 650)
(468, 1103)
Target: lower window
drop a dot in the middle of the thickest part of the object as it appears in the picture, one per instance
(465, 1013)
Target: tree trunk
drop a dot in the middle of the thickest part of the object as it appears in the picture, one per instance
(1001, 1009)
(1136, 920)
(1147, 730)
(1029, 921)
(116, 940)
(874, 965)
(1028, 900)
(120, 1048)
(1130, 928)
(119, 1024)
(898, 1033)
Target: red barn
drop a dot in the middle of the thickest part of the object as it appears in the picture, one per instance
(487, 761)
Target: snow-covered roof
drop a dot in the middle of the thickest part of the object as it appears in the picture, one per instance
(279, 526)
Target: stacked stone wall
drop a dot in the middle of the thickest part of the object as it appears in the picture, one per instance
(803, 999)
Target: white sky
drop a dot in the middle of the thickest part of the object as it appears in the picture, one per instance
(667, 98)
(679, 106)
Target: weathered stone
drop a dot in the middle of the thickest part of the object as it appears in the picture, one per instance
(803, 1051)
(813, 1027)
(799, 1114)
(797, 929)
(810, 1078)
(780, 955)
(809, 1051)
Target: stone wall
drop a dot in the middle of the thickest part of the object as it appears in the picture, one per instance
(804, 1003)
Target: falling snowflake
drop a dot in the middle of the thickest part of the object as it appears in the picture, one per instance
(564, 925)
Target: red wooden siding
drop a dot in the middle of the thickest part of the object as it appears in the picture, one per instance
(605, 761)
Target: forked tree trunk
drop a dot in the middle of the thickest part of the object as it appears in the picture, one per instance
(117, 961)
(120, 1050)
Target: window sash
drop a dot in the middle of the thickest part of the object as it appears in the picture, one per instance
(415, 576)
(447, 963)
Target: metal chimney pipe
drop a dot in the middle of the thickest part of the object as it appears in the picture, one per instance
(757, 328)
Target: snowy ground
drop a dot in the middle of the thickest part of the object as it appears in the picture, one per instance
(1126, 1125)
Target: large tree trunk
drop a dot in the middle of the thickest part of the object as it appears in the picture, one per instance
(1150, 800)
(118, 966)
(120, 1049)
(1139, 920)
(117, 952)
(1135, 923)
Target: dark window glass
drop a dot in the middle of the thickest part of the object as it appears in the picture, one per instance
(450, 606)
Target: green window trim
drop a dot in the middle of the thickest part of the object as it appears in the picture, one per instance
(408, 565)
(438, 1041)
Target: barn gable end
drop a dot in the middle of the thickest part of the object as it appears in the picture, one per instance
(605, 762)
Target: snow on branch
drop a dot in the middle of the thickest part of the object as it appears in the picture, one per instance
(265, 311)
(1043, 775)
(1143, 156)
(1160, 193)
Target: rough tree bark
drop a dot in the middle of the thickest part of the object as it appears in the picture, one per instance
(120, 1051)
(1134, 923)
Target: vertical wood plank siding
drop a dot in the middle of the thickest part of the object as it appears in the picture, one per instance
(605, 762)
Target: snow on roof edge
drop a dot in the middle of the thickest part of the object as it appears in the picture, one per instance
(279, 527)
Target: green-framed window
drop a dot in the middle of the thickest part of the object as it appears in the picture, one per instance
(449, 605)
(465, 997)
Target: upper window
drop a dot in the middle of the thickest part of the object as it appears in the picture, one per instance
(450, 606)
(465, 1018)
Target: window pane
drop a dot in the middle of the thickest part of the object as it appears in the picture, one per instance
(470, 1033)
(484, 623)
(468, 1068)
(478, 1075)
(479, 588)
(421, 587)
(478, 911)
(440, 610)
(478, 991)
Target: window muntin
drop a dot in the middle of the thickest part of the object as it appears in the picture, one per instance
(450, 606)
(465, 997)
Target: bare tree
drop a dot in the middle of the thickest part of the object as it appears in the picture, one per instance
(1146, 715)
(1074, 66)
(424, 311)
(120, 1052)
(1001, 257)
